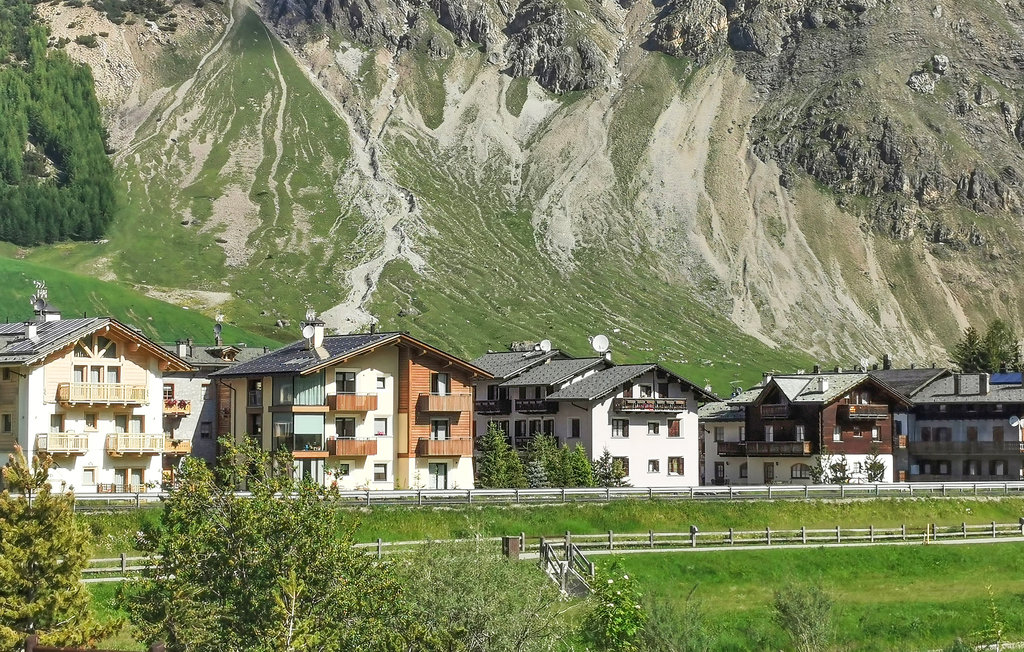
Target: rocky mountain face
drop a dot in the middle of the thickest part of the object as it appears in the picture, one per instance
(708, 176)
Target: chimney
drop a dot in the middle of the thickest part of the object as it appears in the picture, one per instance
(373, 327)
(313, 330)
(956, 384)
(1002, 367)
(983, 384)
(817, 368)
(183, 348)
(838, 369)
(822, 384)
(32, 330)
(886, 361)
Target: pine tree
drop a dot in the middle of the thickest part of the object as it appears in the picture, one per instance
(42, 553)
(492, 469)
(1000, 347)
(874, 467)
(536, 475)
(839, 470)
(558, 467)
(821, 470)
(581, 472)
(967, 354)
(619, 474)
(602, 470)
(515, 471)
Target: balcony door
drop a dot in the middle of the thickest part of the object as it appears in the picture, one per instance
(439, 429)
(96, 375)
(438, 472)
(439, 384)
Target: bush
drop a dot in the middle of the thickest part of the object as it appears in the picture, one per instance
(804, 612)
(617, 619)
(88, 40)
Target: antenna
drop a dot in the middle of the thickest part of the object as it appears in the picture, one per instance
(545, 345)
(864, 362)
(310, 314)
(600, 343)
(307, 331)
(219, 317)
(1014, 422)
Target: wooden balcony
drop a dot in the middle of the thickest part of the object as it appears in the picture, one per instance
(352, 402)
(494, 406)
(445, 402)
(870, 412)
(177, 407)
(351, 447)
(456, 447)
(177, 446)
(764, 448)
(535, 406)
(670, 405)
(63, 443)
(102, 393)
(774, 411)
(130, 443)
(966, 447)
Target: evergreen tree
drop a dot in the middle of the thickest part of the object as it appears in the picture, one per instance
(559, 467)
(821, 470)
(874, 467)
(839, 470)
(581, 472)
(536, 475)
(1000, 347)
(42, 553)
(967, 354)
(619, 474)
(515, 471)
(492, 471)
(602, 470)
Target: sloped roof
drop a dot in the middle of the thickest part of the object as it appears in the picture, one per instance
(721, 411)
(941, 391)
(605, 382)
(210, 356)
(506, 364)
(747, 397)
(553, 372)
(804, 388)
(908, 381)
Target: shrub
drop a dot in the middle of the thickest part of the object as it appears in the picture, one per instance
(617, 619)
(804, 612)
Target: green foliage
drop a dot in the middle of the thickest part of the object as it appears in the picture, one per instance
(821, 470)
(48, 101)
(839, 470)
(487, 602)
(549, 465)
(874, 467)
(804, 612)
(617, 618)
(273, 571)
(43, 550)
(500, 465)
(536, 475)
(684, 629)
(1000, 347)
(581, 472)
(608, 472)
(87, 40)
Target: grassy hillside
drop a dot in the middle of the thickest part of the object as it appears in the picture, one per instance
(76, 295)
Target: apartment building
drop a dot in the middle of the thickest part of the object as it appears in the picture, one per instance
(88, 392)
(643, 414)
(369, 410)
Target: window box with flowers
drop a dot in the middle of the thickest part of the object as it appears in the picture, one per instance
(177, 407)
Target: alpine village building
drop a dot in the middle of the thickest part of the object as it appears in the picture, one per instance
(364, 411)
(88, 392)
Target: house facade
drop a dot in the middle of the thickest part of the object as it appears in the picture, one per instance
(372, 410)
(89, 393)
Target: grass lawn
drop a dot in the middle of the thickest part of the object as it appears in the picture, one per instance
(887, 598)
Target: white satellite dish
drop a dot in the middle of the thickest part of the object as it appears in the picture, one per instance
(1014, 422)
(600, 343)
(38, 305)
(545, 345)
(307, 331)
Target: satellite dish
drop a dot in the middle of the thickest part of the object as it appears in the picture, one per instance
(545, 345)
(307, 331)
(38, 305)
(217, 328)
(1014, 422)
(600, 343)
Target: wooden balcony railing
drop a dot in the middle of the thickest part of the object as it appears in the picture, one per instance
(177, 407)
(91, 393)
(494, 406)
(764, 448)
(871, 412)
(775, 411)
(966, 447)
(177, 446)
(536, 406)
(446, 402)
(352, 402)
(63, 443)
(456, 447)
(671, 405)
(351, 447)
(134, 444)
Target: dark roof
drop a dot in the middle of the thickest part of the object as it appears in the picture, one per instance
(721, 411)
(604, 382)
(507, 364)
(941, 391)
(54, 335)
(908, 381)
(211, 356)
(553, 372)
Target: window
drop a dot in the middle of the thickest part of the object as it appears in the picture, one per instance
(719, 472)
(899, 427)
(345, 427)
(943, 434)
(380, 427)
(345, 382)
(382, 382)
(798, 430)
(620, 428)
(574, 428)
(998, 407)
(89, 476)
(675, 466)
(520, 428)
(997, 467)
(309, 390)
(743, 470)
(876, 434)
(308, 432)
(343, 470)
(168, 391)
(972, 433)
(439, 428)
(662, 390)
(971, 407)
(536, 426)
(943, 467)
(549, 427)
(926, 433)
(653, 428)
(283, 391)
(645, 391)
(56, 423)
(654, 466)
(943, 407)
(113, 375)
(380, 472)
(105, 348)
(6, 374)
(972, 467)
(997, 433)
(769, 472)
(837, 434)
(90, 421)
(623, 462)
(500, 425)
(673, 427)
(719, 433)
(800, 472)
(205, 430)
(439, 384)
(769, 433)
(6, 422)
(857, 434)
(743, 433)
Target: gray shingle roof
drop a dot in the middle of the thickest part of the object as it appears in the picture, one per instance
(507, 364)
(51, 336)
(600, 384)
(296, 357)
(941, 391)
(908, 381)
(553, 372)
(210, 357)
(720, 411)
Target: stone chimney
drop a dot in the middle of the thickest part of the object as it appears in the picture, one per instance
(822, 384)
(886, 361)
(817, 368)
(983, 384)
(956, 384)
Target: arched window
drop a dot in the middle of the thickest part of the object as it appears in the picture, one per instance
(800, 472)
(743, 470)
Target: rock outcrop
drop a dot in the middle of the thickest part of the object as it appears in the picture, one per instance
(549, 44)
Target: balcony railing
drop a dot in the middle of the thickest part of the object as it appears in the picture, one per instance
(91, 393)
(63, 443)
(177, 407)
(446, 402)
(456, 447)
(134, 444)
(671, 405)
(352, 402)
(535, 406)
(351, 447)
(966, 447)
(494, 406)
(177, 446)
(775, 411)
(764, 448)
(870, 412)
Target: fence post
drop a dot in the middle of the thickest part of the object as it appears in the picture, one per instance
(540, 553)
(732, 541)
(876, 490)
(31, 642)
(591, 569)
(693, 536)
(903, 530)
(911, 489)
(807, 491)
(650, 493)
(769, 492)
(975, 488)
(607, 493)
(768, 534)
(568, 543)
(803, 534)
(469, 496)
(730, 492)
(993, 529)
(611, 540)
(871, 531)
(367, 497)
(380, 548)
(963, 529)
(691, 492)
(842, 491)
(517, 495)
(124, 564)
(838, 536)
(943, 489)
(1022, 526)
(419, 497)
(1006, 489)
(650, 533)
(563, 494)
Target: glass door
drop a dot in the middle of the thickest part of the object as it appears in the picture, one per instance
(438, 475)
